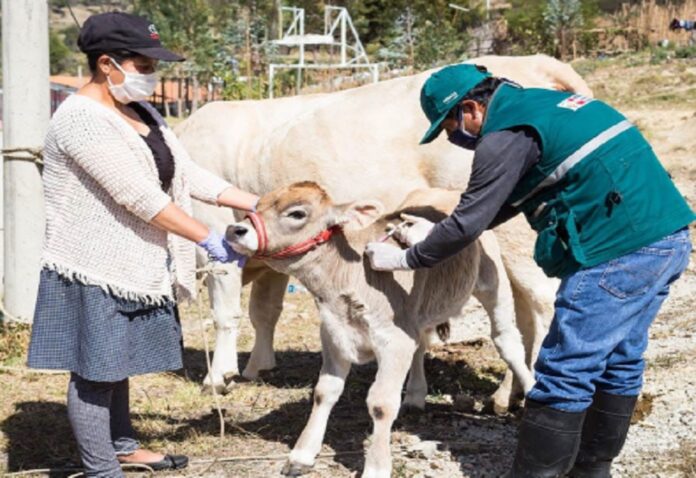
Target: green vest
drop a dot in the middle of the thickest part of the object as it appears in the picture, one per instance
(598, 190)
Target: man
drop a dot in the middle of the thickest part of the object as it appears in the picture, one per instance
(610, 223)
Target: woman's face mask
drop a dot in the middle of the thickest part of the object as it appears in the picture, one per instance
(460, 136)
(135, 86)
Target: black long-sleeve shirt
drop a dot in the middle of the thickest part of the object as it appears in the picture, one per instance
(500, 161)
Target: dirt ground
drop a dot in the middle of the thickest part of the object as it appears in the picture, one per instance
(263, 420)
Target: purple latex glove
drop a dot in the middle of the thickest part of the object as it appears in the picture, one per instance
(219, 249)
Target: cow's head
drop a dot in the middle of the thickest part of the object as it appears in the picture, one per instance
(297, 215)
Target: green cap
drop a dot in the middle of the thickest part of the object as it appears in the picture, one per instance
(443, 90)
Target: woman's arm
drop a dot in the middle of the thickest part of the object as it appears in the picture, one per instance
(173, 219)
(210, 188)
(238, 199)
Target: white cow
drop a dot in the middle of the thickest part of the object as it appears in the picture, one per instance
(368, 315)
(359, 143)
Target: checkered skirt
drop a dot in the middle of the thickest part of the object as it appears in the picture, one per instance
(86, 330)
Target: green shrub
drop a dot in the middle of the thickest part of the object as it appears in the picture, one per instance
(685, 52)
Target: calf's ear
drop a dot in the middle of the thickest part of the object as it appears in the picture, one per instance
(358, 215)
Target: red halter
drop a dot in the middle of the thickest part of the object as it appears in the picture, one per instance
(290, 251)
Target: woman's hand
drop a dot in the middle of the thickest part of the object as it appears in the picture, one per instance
(219, 250)
(238, 199)
(173, 219)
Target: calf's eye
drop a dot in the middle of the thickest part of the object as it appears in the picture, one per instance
(297, 214)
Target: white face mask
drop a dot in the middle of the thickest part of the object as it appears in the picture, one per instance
(135, 86)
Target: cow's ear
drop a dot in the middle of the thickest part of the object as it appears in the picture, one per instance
(358, 215)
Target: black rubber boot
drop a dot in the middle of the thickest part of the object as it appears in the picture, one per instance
(603, 435)
(547, 442)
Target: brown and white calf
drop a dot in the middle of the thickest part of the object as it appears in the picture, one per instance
(368, 315)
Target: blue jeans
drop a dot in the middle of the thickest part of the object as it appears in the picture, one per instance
(600, 327)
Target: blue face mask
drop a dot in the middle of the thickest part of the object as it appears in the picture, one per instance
(460, 136)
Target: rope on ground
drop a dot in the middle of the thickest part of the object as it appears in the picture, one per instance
(26, 370)
(206, 271)
(124, 466)
(232, 459)
(211, 462)
(44, 471)
(34, 155)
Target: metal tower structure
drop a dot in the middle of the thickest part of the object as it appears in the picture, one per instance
(338, 32)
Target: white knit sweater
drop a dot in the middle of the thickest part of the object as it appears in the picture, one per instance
(101, 189)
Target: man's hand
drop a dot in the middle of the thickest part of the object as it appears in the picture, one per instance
(385, 257)
(413, 230)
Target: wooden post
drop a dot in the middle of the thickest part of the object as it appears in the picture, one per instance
(179, 99)
(188, 94)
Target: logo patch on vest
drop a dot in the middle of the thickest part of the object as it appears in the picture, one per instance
(575, 102)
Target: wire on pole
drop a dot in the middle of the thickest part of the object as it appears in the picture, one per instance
(34, 155)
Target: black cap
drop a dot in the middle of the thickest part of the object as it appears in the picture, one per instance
(122, 31)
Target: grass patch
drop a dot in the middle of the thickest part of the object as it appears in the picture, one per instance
(666, 361)
(643, 408)
(14, 341)
(685, 52)
(684, 458)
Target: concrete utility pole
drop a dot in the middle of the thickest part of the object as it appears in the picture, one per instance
(26, 110)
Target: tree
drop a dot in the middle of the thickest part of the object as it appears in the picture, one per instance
(419, 33)
(401, 50)
(185, 27)
(59, 54)
(562, 19)
(526, 30)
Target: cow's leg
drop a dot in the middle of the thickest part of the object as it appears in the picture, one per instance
(265, 306)
(224, 290)
(417, 385)
(394, 352)
(534, 311)
(510, 388)
(334, 370)
(494, 291)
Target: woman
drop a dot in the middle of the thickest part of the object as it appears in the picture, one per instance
(119, 246)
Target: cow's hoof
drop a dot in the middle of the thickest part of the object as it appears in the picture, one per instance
(375, 473)
(219, 388)
(295, 469)
(496, 407)
(415, 398)
(412, 406)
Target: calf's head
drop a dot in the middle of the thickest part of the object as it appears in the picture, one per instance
(294, 219)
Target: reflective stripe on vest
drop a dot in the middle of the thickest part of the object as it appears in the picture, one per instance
(584, 151)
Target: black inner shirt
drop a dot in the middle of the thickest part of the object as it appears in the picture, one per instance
(160, 151)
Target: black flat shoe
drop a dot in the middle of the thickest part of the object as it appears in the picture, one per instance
(169, 462)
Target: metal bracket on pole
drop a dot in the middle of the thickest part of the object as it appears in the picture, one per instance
(339, 31)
